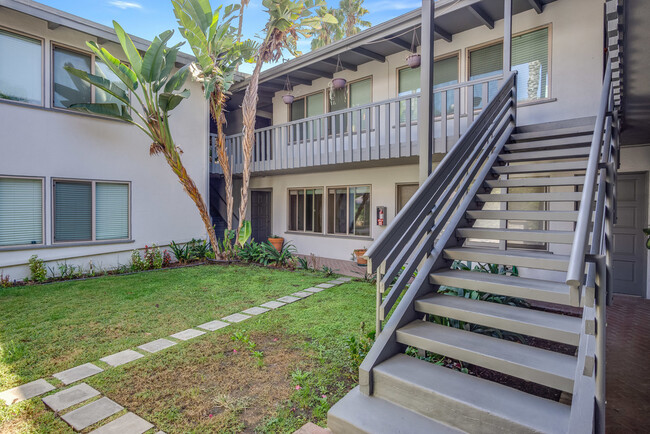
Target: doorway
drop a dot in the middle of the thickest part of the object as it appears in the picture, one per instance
(261, 215)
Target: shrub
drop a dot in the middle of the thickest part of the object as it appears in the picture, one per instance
(5, 282)
(282, 258)
(38, 272)
(153, 258)
(137, 264)
(68, 271)
(182, 253)
(199, 249)
(250, 252)
(166, 258)
(358, 347)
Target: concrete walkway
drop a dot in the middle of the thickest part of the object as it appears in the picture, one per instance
(628, 355)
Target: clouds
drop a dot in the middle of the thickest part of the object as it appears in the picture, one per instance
(390, 5)
(125, 5)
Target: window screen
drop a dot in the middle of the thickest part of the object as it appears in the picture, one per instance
(111, 211)
(72, 211)
(21, 68)
(21, 211)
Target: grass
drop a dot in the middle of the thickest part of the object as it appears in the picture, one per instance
(301, 367)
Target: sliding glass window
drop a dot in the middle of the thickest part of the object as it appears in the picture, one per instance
(306, 210)
(348, 210)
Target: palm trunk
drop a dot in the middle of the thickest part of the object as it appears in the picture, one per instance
(249, 111)
(217, 100)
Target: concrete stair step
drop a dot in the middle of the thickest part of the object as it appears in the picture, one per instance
(554, 154)
(358, 413)
(562, 166)
(561, 237)
(556, 132)
(561, 216)
(529, 363)
(519, 258)
(530, 197)
(564, 142)
(545, 325)
(463, 401)
(536, 182)
(521, 287)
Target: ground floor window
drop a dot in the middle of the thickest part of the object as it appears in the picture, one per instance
(306, 209)
(21, 211)
(90, 210)
(404, 192)
(348, 210)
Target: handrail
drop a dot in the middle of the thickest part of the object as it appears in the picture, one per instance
(428, 222)
(575, 271)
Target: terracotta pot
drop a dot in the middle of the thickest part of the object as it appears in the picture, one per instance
(288, 98)
(414, 60)
(277, 243)
(359, 254)
(339, 83)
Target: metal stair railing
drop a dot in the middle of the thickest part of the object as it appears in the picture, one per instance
(590, 273)
(427, 223)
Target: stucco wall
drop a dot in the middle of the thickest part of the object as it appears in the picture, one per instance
(51, 143)
(575, 53)
(383, 182)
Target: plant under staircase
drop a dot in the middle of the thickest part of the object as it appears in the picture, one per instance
(464, 212)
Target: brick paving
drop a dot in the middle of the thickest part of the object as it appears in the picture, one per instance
(628, 355)
(339, 266)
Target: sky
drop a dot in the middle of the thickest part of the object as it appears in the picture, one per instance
(148, 18)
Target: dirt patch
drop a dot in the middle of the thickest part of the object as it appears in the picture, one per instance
(216, 385)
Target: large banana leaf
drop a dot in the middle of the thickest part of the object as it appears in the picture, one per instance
(100, 82)
(154, 57)
(130, 51)
(168, 101)
(105, 109)
(177, 80)
(123, 72)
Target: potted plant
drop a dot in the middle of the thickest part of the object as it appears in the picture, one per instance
(288, 98)
(339, 83)
(413, 60)
(276, 241)
(358, 253)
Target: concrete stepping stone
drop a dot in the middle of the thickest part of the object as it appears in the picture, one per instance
(325, 285)
(273, 304)
(344, 279)
(122, 357)
(288, 299)
(26, 391)
(302, 294)
(314, 290)
(77, 373)
(255, 310)
(130, 423)
(188, 334)
(336, 282)
(69, 397)
(213, 325)
(91, 413)
(235, 317)
(157, 345)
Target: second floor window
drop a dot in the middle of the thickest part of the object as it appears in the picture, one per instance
(21, 68)
(305, 107)
(354, 94)
(68, 89)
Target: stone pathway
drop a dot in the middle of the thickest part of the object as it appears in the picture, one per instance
(98, 410)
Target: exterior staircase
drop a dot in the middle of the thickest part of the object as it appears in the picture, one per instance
(470, 212)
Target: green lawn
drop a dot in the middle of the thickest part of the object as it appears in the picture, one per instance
(199, 385)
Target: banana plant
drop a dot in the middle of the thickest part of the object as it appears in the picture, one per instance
(216, 46)
(151, 80)
(288, 20)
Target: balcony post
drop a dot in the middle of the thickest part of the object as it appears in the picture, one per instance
(507, 36)
(426, 109)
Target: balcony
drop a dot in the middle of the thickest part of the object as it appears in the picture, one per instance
(384, 131)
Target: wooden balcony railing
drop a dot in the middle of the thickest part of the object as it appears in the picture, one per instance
(381, 130)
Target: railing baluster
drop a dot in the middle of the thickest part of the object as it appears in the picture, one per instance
(348, 132)
(398, 130)
(359, 131)
(375, 152)
(456, 114)
(407, 126)
(368, 129)
(443, 123)
(340, 152)
(302, 150)
(387, 131)
(485, 87)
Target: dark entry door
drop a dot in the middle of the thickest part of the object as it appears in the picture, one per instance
(261, 215)
(629, 241)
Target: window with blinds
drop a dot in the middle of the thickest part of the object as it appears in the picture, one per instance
(530, 58)
(21, 211)
(73, 211)
(24, 84)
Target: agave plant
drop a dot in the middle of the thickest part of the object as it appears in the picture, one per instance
(150, 80)
(288, 20)
(218, 51)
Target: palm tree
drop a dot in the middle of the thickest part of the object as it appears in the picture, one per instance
(328, 32)
(158, 94)
(212, 39)
(243, 4)
(353, 11)
(288, 20)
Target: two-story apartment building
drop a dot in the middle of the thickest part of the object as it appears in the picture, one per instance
(332, 160)
(75, 187)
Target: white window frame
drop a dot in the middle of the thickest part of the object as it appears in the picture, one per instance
(93, 216)
(42, 41)
(323, 204)
(347, 211)
(42, 243)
